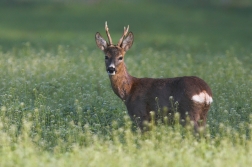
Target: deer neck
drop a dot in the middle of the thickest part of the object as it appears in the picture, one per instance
(121, 82)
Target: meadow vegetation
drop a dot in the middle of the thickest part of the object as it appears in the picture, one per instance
(56, 104)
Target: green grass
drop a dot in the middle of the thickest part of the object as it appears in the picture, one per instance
(57, 107)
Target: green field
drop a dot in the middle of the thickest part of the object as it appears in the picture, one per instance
(57, 107)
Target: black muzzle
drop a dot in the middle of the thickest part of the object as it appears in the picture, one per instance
(111, 70)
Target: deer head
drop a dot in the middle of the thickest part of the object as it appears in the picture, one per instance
(114, 54)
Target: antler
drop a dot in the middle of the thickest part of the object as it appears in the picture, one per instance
(107, 31)
(124, 34)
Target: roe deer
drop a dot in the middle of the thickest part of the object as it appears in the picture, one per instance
(139, 94)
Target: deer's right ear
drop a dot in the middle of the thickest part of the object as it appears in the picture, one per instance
(100, 42)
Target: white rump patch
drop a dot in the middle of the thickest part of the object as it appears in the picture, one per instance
(203, 97)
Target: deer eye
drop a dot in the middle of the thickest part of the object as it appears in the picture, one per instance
(106, 57)
(120, 58)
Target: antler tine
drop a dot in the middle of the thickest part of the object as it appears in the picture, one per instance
(125, 32)
(107, 32)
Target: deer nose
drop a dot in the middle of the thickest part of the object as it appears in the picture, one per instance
(111, 70)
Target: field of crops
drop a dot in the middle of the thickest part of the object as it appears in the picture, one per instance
(57, 107)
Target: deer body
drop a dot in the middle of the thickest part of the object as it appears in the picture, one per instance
(142, 95)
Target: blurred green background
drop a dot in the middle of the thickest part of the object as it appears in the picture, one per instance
(193, 26)
(53, 74)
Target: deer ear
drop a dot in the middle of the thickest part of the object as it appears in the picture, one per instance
(100, 42)
(128, 41)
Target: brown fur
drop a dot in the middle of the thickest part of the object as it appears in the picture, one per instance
(142, 95)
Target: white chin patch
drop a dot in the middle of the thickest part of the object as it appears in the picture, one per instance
(203, 97)
(111, 73)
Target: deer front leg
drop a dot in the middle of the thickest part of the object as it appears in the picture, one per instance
(140, 117)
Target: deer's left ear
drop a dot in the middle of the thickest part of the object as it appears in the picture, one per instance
(100, 42)
(128, 41)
